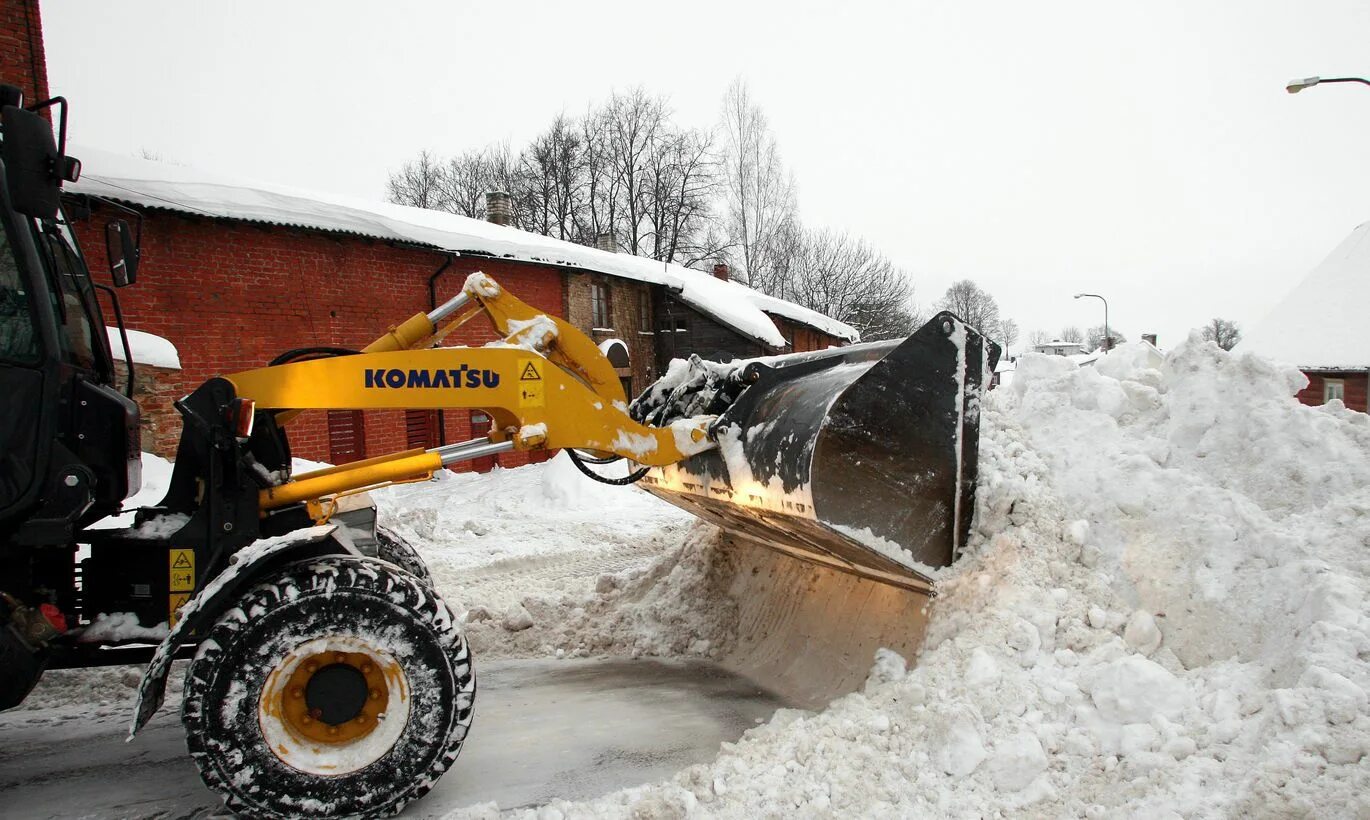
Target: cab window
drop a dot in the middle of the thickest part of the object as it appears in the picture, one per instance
(18, 331)
(71, 291)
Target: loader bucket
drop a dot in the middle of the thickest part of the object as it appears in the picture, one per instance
(861, 459)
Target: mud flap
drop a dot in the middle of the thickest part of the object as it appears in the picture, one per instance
(207, 603)
(861, 459)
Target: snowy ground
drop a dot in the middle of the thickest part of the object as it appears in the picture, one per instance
(1162, 613)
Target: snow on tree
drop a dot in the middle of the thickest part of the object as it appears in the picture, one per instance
(1071, 333)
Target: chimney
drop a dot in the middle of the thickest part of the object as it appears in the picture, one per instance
(721, 271)
(606, 242)
(499, 208)
(1149, 337)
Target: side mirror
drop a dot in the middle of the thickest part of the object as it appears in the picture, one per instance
(123, 252)
(31, 159)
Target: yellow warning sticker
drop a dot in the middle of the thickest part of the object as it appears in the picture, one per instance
(175, 601)
(182, 570)
(530, 383)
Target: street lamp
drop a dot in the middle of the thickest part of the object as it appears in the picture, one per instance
(1295, 86)
(1108, 339)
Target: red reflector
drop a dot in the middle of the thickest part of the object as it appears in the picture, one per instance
(54, 617)
(241, 414)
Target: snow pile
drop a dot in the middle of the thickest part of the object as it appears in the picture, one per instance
(637, 613)
(147, 348)
(1161, 613)
(156, 482)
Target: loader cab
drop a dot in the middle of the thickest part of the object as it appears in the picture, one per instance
(68, 448)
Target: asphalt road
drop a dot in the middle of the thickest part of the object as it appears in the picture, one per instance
(544, 729)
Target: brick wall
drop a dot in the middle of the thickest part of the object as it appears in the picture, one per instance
(233, 295)
(1354, 384)
(22, 59)
(155, 388)
(625, 321)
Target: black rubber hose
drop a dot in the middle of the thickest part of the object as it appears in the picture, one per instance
(594, 460)
(630, 478)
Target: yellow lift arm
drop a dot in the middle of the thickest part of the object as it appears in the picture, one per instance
(545, 385)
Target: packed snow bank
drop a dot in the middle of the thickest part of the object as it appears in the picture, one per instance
(1161, 613)
(156, 481)
(147, 348)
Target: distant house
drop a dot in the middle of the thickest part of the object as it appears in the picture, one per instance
(1321, 326)
(1056, 347)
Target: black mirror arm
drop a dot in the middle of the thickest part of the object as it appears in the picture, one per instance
(123, 334)
(61, 121)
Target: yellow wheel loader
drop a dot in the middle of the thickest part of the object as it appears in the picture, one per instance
(327, 678)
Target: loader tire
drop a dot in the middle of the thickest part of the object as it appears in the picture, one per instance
(392, 547)
(340, 687)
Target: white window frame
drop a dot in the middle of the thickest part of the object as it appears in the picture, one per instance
(1333, 389)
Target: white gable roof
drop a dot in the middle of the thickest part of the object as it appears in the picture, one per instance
(176, 187)
(1324, 322)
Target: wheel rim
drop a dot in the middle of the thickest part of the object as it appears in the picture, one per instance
(334, 705)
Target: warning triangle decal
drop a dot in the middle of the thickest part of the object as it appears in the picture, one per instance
(182, 561)
(530, 374)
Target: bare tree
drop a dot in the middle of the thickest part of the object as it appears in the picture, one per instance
(1037, 338)
(1008, 333)
(1224, 332)
(600, 197)
(465, 181)
(844, 277)
(550, 180)
(419, 183)
(1071, 333)
(632, 122)
(758, 193)
(975, 306)
(681, 182)
(1094, 338)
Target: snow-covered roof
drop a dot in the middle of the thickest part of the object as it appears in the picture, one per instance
(180, 188)
(147, 348)
(1321, 324)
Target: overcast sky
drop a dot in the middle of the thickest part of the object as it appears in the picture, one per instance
(1145, 150)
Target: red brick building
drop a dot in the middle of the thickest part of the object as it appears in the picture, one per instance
(1320, 326)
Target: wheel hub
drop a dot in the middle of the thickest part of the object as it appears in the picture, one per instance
(334, 697)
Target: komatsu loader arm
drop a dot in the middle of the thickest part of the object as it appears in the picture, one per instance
(546, 385)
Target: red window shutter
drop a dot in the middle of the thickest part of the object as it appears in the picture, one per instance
(346, 436)
(421, 429)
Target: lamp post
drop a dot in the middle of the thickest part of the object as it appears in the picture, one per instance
(1295, 86)
(1108, 338)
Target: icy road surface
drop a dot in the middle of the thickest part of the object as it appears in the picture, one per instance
(573, 729)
